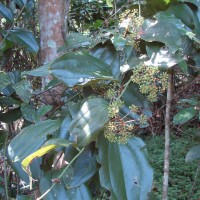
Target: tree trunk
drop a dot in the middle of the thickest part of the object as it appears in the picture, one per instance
(53, 33)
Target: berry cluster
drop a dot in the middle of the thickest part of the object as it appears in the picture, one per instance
(151, 81)
(118, 131)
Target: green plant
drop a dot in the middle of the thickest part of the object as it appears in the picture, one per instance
(91, 127)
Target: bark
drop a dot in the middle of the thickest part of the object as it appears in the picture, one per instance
(53, 33)
(167, 137)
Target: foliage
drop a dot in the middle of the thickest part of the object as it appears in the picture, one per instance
(109, 86)
(182, 175)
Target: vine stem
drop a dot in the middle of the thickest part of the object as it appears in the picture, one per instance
(60, 176)
(9, 31)
(5, 169)
(167, 136)
(125, 87)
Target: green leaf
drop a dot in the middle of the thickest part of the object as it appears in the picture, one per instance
(76, 40)
(43, 110)
(59, 192)
(89, 121)
(3, 136)
(193, 154)
(79, 68)
(166, 28)
(184, 13)
(11, 115)
(195, 2)
(29, 140)
(7, 101)
(24, 38)
(85, 167)
(28, 112)
(4, 80)
(125, 170)
(132, 96)
(109, 3)
(191, 101)
(161, 57)
(184, 115)
(38, 72)
(50, 145)
(24, 90)
(6, 13)
(183, 66)
(108, 54)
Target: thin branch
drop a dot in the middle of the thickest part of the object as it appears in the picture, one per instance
(167, 136)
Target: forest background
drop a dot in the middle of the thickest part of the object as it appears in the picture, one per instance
(88, 87)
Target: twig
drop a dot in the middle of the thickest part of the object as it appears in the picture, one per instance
(167, 136)
(5, 169)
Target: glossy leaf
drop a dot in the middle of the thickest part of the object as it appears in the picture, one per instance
(47, 147)
(85, 167)
(170, 33)
(125, 170)
(6, 13)
(64, 129)
(43, 110)
(28, 112)
(107, 53)
(132, 95)
(195, 2)
(79, 68)
(38, 72)
(29, 140)
(77, 40)
(161, 57)
(180, 10)
(24, 90)
(11, 115)
(4, 80)
(184, 115)
(24, 38)
(89, 121)
(59, 192)
(193, 154)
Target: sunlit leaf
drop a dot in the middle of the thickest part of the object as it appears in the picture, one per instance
(89, 121)
(171, 33)
(79, 68)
